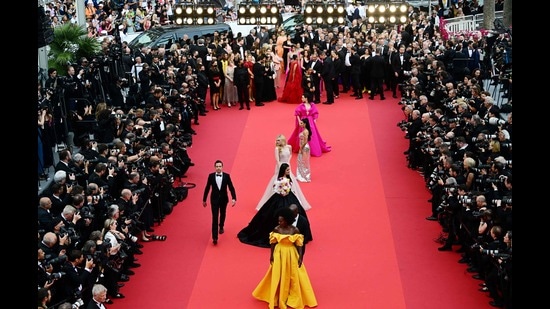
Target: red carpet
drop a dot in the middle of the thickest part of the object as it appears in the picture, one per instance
(372, 247)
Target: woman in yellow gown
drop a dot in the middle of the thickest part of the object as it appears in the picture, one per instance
(286, 283)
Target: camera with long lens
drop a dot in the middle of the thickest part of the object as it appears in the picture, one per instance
(138, 191)
(87, 212)
(152, 150)
(507, 200)
(71, 233)
(450, 189)
(58, 260)
(54, 276)
(502, 256)
(167, 160)
(77, 304)
(466, 200)
(487, 137)
(77, 296)
(478, 170)
(496, 122)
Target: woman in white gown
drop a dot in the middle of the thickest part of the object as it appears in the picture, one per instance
(283, 154)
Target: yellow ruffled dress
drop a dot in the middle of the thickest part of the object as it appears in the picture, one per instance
(285, 284)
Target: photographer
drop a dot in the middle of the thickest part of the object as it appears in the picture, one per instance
(184, 104)
(79, 279)
(161, 184)
(498, 280)
(80, 168)
(128, 209)
(449, 216)
(109, 273)
(477, 221)
(70, 218)
(482, 258)
(97, 200)
(412, 132)
(144, 213)
(103, 175)
(116, 93)
(74, 87)
(118, 258)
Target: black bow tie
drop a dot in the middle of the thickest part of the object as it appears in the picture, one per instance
(219, 175)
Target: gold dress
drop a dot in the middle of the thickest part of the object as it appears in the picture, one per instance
(285, 284)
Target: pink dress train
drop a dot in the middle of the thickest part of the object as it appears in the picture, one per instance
(317, 145)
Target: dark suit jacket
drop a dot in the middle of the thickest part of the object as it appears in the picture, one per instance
(60, 166)
(258, 70)
(219, 196)
(316, 75)
(305, 229)
(327, 70)
(377, 66)
(92, 305)
(401, 67)
(355, 61)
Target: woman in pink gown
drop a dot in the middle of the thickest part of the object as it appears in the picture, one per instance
(317, 145)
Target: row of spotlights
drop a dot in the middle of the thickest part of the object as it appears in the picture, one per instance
(189, 10)
(255, 20)
(198, 21)
(390, 19)
(254, 9)
(327, 20)
(329, 9)
(372, 8)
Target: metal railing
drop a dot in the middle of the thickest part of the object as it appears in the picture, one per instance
(468, 23)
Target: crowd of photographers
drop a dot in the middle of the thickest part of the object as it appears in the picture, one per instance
(460, 141)
(104, 200)
(101, 206)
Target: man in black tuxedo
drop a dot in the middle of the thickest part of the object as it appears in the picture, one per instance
(65, 163)
(355, 73)
(258, 69)
(99, 296)
(377, 73)
(219, 182)
(401, 63)
(317, 67)
(328, 73)
(302, 224)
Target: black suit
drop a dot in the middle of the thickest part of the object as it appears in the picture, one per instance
(377, 73)
(61, 166)
(218, 200)
(258, 69)
(355, 73)
(316, 76)
(400, 67)
(302, 224)
(328, 74)
(93, 305)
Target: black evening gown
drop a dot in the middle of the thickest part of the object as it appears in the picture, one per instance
(256, 233)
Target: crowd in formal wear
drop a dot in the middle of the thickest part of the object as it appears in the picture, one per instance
(132, 136)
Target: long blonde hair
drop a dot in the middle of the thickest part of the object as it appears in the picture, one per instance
(282, 143)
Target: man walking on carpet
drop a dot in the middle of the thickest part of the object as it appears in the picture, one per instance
(219, 182)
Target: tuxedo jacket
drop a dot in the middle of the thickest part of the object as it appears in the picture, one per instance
(219, 196)
(401, 67)
(318, 68)
(92, 305)
(327, 70)
(304, 227)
